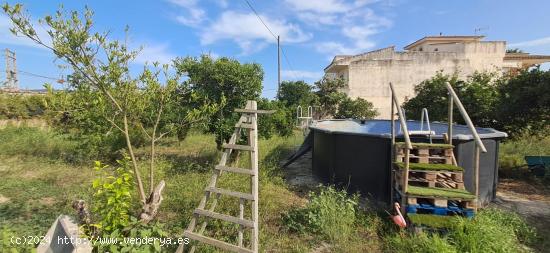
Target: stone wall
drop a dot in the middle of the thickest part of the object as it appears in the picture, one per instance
(369, 74)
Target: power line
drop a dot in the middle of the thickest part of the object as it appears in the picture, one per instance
(275, 37)
(289, 65)
(260, 18)
(37, 75)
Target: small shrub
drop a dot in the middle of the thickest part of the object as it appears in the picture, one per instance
(281, 122)
(356, 109)
(8, 245)
(492, 230)
(330, 213)
(134, 230)
(112, 197)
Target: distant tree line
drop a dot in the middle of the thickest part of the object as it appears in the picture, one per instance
(516, 103)
(18, 106)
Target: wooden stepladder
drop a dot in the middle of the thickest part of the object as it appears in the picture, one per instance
(247, 123)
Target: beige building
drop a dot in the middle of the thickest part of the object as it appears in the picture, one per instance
(368, 74)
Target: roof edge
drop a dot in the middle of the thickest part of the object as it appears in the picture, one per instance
(407, 47)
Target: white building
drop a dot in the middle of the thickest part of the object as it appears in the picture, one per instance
(369, 74)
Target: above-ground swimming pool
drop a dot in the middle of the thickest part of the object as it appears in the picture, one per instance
(357, 155)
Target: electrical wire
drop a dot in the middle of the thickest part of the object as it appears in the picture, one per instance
(260, 18)
(289, 65)
(275, 37)
(37, 75)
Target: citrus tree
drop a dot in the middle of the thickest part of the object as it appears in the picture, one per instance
(105, 98)
(478, 93)
(226, 82)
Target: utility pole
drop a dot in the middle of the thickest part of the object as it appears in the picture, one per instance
(278, 66)
(12, 82)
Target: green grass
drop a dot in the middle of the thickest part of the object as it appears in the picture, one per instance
(37, 184)
(430, 166)
(439, 192)
(491, 230)
(15, 141)
(329, 212)
(511, 158)
(418, 243)
(434, 221)
(425, 145)
(512, 152)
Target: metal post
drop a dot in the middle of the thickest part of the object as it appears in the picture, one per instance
(392, 152)
(8, 78)
(254, 181)
(450, 120)
(12, 83)
(392, 117)
(278, 65)
(476, 171)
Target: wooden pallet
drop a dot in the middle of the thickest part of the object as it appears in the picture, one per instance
(433, 179)
(440, 202)
(456, 197)
(426, 155)
(247, 123)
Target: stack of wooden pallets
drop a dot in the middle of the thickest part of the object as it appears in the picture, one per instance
(432, 184)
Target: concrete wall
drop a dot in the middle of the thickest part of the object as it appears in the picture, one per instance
(369, 74)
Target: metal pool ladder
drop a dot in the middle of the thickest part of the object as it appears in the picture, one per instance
(425, 112)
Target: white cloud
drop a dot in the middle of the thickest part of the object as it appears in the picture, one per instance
(358, 26)
(301, 74)
(222, 3)
(194, 18)
(319, 6)
(6, 37)
(327, 6)
(193, 14)
(155, 52)
(249, 33)
(332, 48)
(358, 32)
(352, 24)
(318, 20)
(531, 43)
(150, 52)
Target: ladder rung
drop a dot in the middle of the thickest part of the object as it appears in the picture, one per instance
(214, 242)
(255, 111)
(228, 218)
(235, 194)
(234, 170)
(244, 125)
(238, 147)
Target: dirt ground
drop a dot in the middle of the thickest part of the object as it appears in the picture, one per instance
(530, 200)
(299, 174)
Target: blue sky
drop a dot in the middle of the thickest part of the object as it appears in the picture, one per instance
(312, 31)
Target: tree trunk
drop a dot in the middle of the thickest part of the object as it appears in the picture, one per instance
(134, 162)
(152, 165)
(150, 209)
